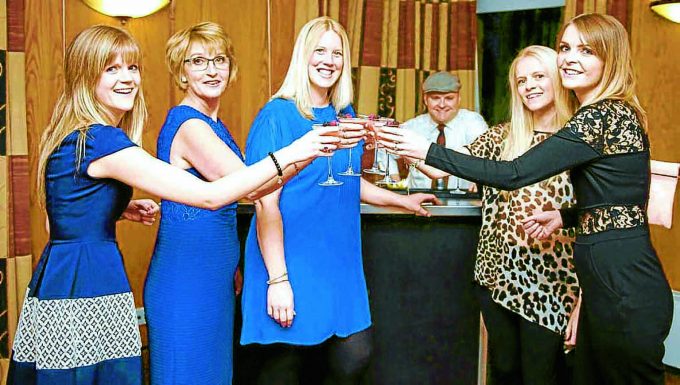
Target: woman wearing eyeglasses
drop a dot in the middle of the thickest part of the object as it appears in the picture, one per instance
(189, 291)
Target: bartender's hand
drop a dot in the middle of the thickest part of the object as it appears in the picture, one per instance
(413, 203)
(472, 188)
(541, 224)
(280, 304)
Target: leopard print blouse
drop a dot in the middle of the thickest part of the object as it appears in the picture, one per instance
(535, 279)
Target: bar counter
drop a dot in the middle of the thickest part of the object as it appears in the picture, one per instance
(419, 274)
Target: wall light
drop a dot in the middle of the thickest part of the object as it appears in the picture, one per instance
(126, 8)
(670, 9)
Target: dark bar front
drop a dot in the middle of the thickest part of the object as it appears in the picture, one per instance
(425, 315)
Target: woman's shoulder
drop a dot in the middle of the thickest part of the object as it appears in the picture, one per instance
(279, 105)
(606, 107)
(99, 131)
(180, 113)
(498, 132)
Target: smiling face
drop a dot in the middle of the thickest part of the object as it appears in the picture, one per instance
(206, 82)
(325, 66)
(442, 106)
(580, 68)
(117, 87)
(534, 85)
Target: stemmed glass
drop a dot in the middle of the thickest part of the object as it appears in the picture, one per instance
(375, 168)
(347, 122)
(387, 179)
(457, 191)
(330, 181)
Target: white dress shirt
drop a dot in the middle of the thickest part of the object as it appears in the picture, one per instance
(463, 129)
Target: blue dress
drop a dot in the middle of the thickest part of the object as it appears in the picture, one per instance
(322, 240)
(189, 290)
(78, 323)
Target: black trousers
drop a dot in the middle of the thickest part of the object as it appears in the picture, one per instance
(520, 351)
(626, 309)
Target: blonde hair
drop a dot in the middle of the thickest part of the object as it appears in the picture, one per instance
(211, 36)
(522, 122)
(296, 85)
(609, 40)
(77, 107)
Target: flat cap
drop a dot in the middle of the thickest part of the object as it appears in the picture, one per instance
(441, 82)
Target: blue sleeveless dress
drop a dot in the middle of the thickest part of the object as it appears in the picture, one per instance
(322, 239)
(78, 324)
(189, 290)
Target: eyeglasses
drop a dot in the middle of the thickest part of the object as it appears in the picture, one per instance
(200, 63)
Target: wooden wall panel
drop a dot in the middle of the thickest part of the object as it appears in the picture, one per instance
(15, 21)
(3, 25)
(654, 41)
(44, 77)
(283, 34)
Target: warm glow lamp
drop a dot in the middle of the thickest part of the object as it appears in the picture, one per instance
(670, 9)
(126, 8)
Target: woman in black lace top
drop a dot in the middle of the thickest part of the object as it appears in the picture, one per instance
(626, 308)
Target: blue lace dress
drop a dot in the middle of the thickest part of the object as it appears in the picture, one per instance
(189, 291)
(78, 322)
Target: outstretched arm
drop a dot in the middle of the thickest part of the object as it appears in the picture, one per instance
(558, 153)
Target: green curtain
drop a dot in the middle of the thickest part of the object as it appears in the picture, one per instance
(501, 35)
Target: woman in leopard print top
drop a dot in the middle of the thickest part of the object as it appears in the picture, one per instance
(527, 288)
(626, 309)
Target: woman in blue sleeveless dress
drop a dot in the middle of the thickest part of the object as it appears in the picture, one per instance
(189, 291)
(304, 282)
(78, 323)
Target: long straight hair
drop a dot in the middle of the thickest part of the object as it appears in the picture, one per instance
(522, 123)
(609, 41)
(77, 107)
(296, 85)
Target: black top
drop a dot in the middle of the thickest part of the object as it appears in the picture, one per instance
(605, 147)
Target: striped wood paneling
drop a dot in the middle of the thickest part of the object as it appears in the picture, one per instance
(658, 73)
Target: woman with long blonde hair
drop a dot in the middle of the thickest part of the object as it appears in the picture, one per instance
(78, 323)
(626, 308)
(527, 319)
(303, 280)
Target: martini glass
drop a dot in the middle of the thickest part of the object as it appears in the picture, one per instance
(387, 179)
(330, 181)
(349, 123)
(375, 168)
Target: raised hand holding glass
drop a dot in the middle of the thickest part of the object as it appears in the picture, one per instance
(330, 181)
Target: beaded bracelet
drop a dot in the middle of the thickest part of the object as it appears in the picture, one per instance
(279, 172)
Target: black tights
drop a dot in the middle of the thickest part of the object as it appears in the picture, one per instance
(338, 361)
